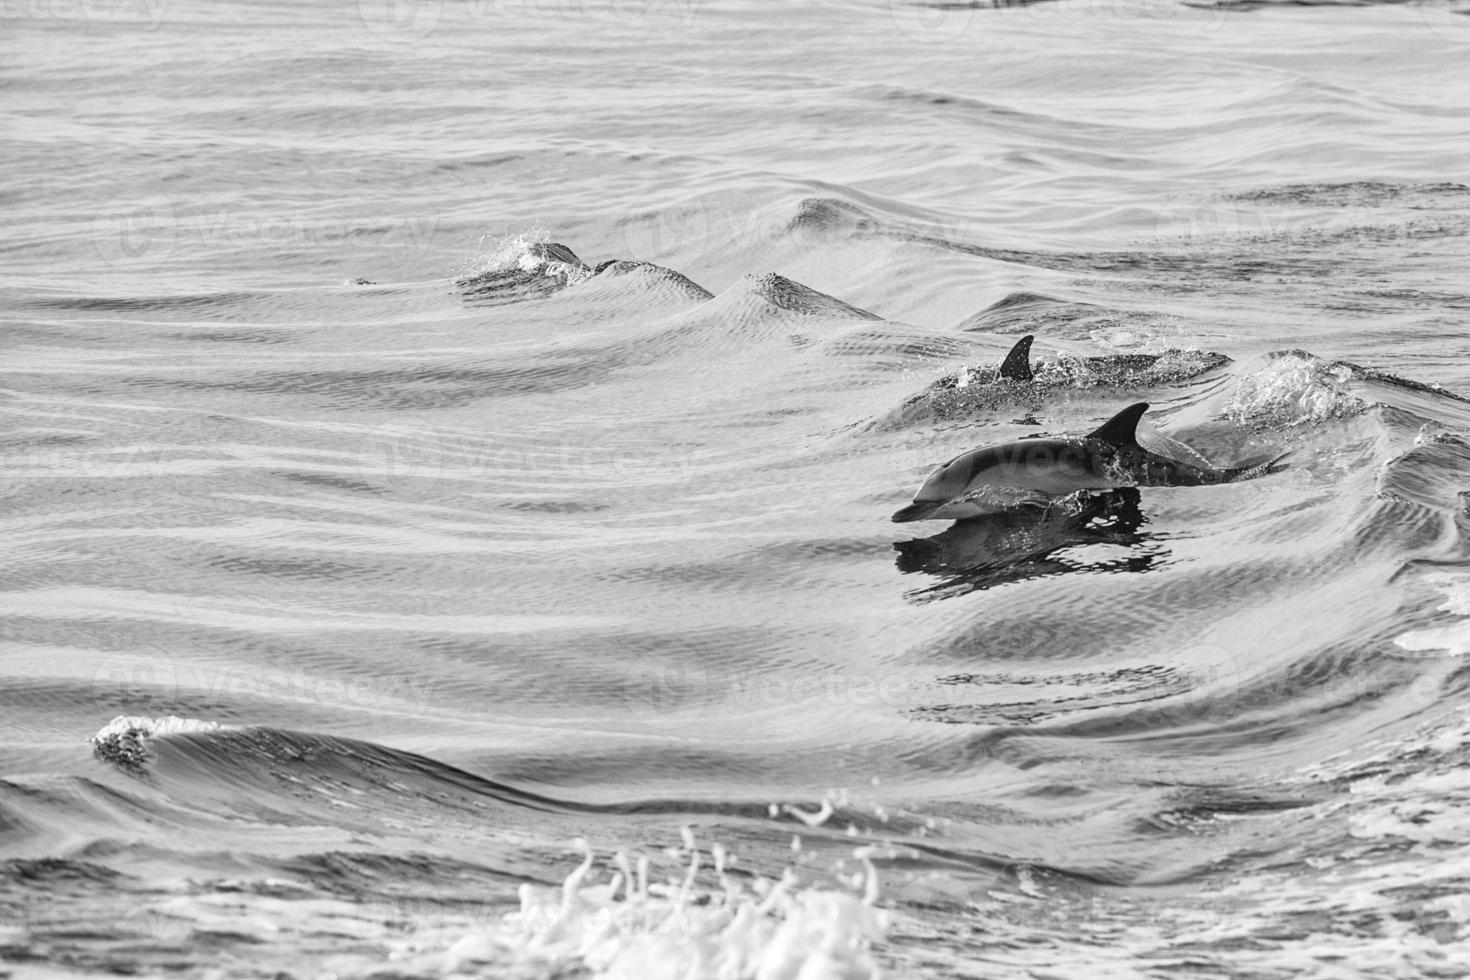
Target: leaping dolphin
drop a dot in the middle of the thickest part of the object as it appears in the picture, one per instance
(992, 479)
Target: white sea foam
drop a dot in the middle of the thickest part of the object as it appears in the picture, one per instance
(513, 251)
(152, 727)
(123, 741)
(630, 927)
(1295, 388)
(1451, 638)
(527, 252)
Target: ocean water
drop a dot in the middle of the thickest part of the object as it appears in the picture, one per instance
(470, 607)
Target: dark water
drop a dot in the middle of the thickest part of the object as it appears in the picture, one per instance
(421, 556)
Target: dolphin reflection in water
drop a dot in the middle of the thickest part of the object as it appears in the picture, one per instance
(994, 479)
(1033, 542)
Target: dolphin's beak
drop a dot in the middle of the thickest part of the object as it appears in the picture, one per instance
(916, 511)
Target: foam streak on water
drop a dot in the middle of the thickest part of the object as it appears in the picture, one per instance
(456, 444)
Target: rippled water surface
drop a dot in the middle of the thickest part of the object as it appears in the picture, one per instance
(426, 549)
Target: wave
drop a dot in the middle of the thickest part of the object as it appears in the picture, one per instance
(198, 760)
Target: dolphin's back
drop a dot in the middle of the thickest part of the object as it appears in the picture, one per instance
(1122, 429)
(1017, 365)
(991, 478)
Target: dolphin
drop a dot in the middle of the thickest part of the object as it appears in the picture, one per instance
(1020, 544)
(1018, 380)
(993, 479)
(1111, 368)
(955, 394)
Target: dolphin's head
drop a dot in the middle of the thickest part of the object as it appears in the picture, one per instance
(995, 478)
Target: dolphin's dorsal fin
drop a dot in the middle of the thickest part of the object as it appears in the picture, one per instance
(1017, 365)
(1120, 429)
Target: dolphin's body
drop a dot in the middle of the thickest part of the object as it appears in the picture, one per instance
(993, 479)
(1113, 368)
(969, 393)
